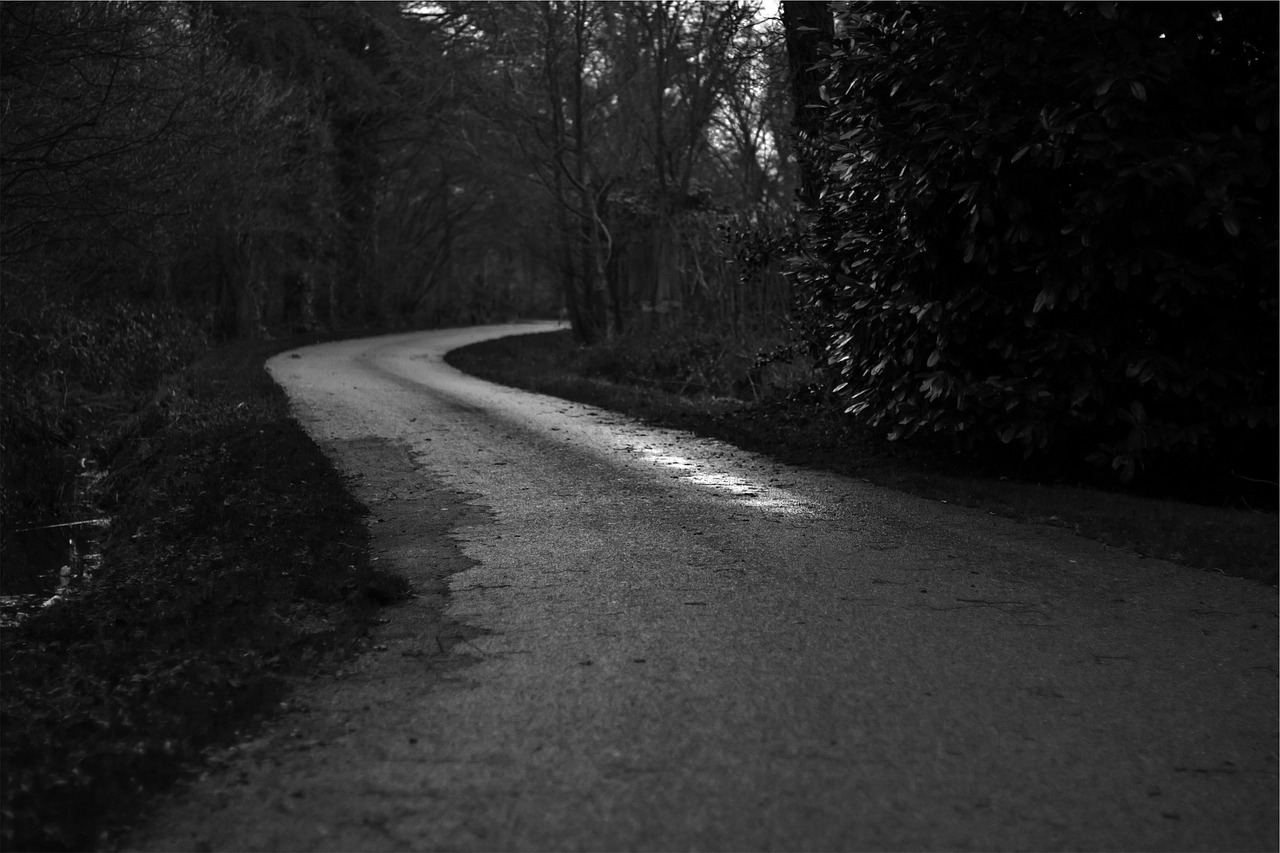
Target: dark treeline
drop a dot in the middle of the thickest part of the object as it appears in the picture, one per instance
(302, 165)
(1042, 227)
(178, 173)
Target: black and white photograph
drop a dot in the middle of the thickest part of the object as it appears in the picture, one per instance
(639, 425)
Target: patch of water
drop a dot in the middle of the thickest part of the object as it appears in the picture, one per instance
(707, 475)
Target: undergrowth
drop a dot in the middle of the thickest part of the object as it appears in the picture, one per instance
(77, 378)
(236, 561)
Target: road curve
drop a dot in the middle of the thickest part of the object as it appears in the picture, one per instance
(628, 638)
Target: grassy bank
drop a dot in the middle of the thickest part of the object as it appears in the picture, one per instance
(236, 562)
(802, 429)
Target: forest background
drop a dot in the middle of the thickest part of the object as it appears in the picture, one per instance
(179, 174)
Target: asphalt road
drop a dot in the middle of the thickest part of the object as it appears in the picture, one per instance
(630, 638)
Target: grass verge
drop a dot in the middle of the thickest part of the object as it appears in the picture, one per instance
(236, 562)
(804, 430)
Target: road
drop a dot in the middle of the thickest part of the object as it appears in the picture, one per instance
(628, 638)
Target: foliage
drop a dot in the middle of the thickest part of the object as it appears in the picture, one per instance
(75, 375)
(621, 121)
(696, 360)
(97, 129)
(1053, 227)
(323, 97)
(152, 179)
(99, 346)
(305, 165)
(222, 154)
(237, 559)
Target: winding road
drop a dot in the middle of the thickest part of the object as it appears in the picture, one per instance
(629, 638)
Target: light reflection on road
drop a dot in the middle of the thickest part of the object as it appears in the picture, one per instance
(748, 492)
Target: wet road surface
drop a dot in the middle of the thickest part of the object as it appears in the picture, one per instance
(631, 638)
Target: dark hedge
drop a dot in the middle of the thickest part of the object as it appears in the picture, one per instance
(1053, 228)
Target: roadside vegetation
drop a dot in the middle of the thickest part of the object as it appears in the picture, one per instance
(1227, 527)
(1066, 247)
(235, 562)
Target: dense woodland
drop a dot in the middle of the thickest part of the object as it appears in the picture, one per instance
(178, 173)
(1043, 229)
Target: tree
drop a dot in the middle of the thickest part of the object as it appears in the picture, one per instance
(808, 26)
(100, 129)
(617, 113)
(337, 58)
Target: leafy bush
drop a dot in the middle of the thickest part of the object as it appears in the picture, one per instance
(682, 357)
(235, 560)
(116, 344)
(70, 370)
(1052, 227)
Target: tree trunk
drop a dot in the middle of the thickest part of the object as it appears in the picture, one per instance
(809, 29)
(246, 291)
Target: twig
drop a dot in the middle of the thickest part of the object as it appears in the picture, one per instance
(1254, 480)
(98, 522)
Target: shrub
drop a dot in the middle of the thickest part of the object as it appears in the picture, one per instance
(73, 374)
(1052, 227)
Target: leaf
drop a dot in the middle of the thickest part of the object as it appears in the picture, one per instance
(1231, 223)
(1139, 91)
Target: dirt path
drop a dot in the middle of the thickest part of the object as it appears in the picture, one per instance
(628, 638)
